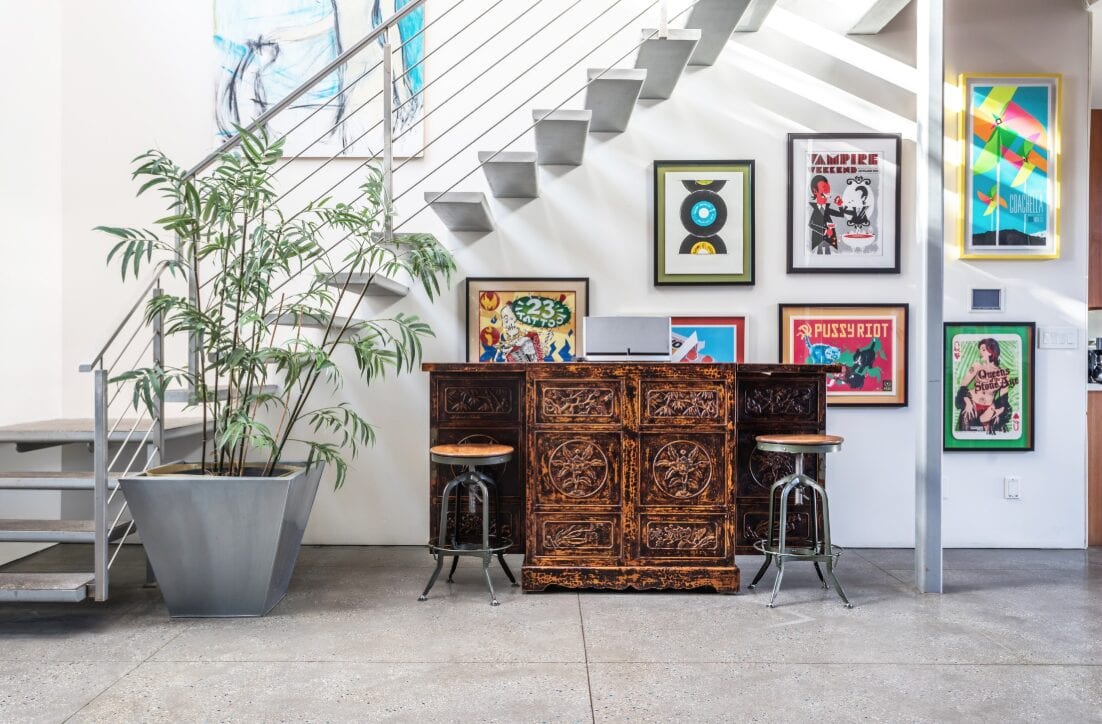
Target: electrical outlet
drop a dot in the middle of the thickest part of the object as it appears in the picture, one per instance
(1012, 487)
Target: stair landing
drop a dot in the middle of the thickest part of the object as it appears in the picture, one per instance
(61, 431)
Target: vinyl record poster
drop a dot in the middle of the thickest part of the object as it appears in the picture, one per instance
(843, 203)
(704, 222)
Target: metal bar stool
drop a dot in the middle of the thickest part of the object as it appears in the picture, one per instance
(477, 486)
(821, 550)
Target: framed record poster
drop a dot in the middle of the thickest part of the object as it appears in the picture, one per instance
(708, 339)
(989, 370)
(1009, 184)
(703, 222)
(525, 319)
(843, 203)
(869, 341)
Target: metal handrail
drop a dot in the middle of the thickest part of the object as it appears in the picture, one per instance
(158, 270)
(309, 83)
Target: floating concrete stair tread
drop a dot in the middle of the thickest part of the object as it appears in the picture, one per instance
(47, 531)
(611, 96)
(511, 174)
(377, 285)
(561, 135)
(462, 210)
(183, 394)
(755, 15)
(82, 430)
(293, 319)
(45, 587)
(51, 480)
(716, 20)
(665, 60)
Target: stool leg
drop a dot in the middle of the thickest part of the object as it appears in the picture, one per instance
(761, 571)
(435, 574)
(785, 492)
(442, 536)
(487, 556)
(816, 543)
(827, 547)
(455, 564)
(769, 531)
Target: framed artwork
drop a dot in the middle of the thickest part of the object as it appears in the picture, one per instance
(703, 222)
(843, 203)
(989, 371)
(267, 48)
(708, 339)
(1010, 133)
(869, 341)
(525, 319)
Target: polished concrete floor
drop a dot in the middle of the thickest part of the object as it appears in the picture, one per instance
(1017, 637)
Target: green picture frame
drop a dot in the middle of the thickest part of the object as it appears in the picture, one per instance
(703, 222)
(988, 396)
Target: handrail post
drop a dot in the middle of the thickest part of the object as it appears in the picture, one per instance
(99, 498)
(156, 455)
(663, 20)
(388, 139)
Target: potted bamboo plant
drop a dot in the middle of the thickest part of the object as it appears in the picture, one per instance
(262, 313)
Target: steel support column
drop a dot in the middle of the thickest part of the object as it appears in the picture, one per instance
(929, 234)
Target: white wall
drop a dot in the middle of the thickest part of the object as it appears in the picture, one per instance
(1051, 512)
(30, 243)
(130, 83)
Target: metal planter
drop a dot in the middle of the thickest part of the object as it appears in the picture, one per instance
(222, 546)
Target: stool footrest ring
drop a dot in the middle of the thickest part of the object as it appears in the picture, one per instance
(497, 545)
(797, 553)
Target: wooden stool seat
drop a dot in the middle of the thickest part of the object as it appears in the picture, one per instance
(801, 439)
(472, 450)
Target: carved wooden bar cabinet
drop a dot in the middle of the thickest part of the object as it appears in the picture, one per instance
(629, 475)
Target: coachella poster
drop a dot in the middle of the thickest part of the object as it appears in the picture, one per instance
(868, 342)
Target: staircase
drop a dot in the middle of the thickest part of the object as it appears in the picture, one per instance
(608, 97)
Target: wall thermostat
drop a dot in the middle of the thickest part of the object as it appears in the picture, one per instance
(987, 300)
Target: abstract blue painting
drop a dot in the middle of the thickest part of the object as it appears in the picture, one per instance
(267, 48)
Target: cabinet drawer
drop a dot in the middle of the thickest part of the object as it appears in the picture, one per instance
(578, 469)
(781, 399)
(476, 398)
(664, 402)
(683, 469)
(562, 401)
(680, 537)
(564, 535)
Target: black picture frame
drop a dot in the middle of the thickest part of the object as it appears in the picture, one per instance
(857, 233)
(709, 169)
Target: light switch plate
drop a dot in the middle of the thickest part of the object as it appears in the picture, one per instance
(1058, 338)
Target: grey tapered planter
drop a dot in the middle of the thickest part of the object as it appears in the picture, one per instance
(222, 546)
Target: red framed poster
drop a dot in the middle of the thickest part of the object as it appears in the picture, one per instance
(869, 341)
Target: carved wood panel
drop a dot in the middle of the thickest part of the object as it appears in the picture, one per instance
(469, 399)
(754, 524)
(776, 400)
(573, 401)
(685, 469)
(562, 535)
(578, 469)
(508, 520)
(759, 469)
(664, 402)
(681, 536)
